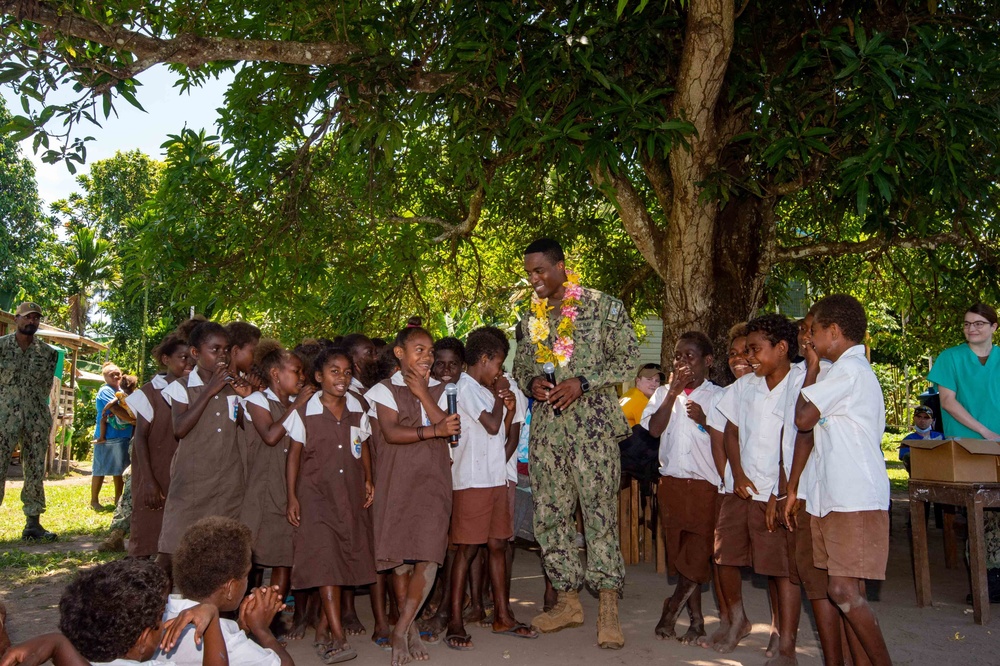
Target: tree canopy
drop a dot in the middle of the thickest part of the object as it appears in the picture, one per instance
(380, 158)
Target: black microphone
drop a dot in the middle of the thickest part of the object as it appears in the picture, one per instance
(452, 392)
(549, 369)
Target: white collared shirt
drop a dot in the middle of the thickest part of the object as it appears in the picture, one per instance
(849, 466)
(479, 460)
(140, 404)
(685, 446)
(260, 399)
(242, 650)
(178, 391)
(759, 413)
(133, 662)
(296, 427)
(357, 386)
(380, 394)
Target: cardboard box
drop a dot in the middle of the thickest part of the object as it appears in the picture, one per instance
(970, 460)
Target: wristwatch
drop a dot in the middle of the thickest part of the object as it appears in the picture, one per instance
(584, 384)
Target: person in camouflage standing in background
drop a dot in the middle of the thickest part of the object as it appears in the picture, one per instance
(27, 367)
(574, 455)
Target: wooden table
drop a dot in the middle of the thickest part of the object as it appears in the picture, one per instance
(974, 497)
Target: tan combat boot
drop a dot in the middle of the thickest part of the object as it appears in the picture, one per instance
(115, 543)
(609, 630)
(567, 613)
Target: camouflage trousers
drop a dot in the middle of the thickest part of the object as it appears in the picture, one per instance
(122, 517)
(563, 471)
(34, 439)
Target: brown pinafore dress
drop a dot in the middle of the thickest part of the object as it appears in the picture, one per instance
(413, 491)
(266, 497)
(145, 524)
(207, 475)
(333, 542)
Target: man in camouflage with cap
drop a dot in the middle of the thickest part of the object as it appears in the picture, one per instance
(574, 455)
(27, 366)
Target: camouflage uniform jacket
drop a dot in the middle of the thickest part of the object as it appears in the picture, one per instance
(25, 381)
(606, 352)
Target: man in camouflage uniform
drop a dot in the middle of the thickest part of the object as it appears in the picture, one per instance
(575, 456)
(27, 366)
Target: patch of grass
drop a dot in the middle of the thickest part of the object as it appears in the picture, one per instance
(67, 512)
(18, 568)
(899, 480)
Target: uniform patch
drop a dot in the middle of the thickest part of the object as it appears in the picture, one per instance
(616, 312)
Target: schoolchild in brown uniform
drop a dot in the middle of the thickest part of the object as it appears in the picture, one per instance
(413, 495)
(264, 508)
(329, 492)
(207, 476)
(154, 447)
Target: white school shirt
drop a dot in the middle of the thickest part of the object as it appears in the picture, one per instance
(685, 447)
(380, 394)
(139, 403)
(177, 391)
(520, 414)
(716, 421)
(260, 399)
(357, 386)
(759, 414)
(807, 479)
(849, 467)
(296, 427)
(242, 650)
(133, 662)
(479, 460)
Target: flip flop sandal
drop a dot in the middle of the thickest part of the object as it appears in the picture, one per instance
(321, 648)
(429, 638)
(513, 631)
(339, 655)
(383, 642)
(466, 638)
(487, 621)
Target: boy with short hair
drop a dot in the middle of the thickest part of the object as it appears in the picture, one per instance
(689, 481)
(746, 532)
(848, 498)
(480, 507)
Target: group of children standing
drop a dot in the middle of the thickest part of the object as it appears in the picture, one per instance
(781, 471)
(338, 467)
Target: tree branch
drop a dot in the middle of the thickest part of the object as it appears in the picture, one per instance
(451, 231)
(840, 248)
(184, 49)
(634, 214)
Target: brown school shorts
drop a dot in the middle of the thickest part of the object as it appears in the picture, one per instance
(742, 539)
(852, 544)
(687, 514)
(801, 568)
(480, 514)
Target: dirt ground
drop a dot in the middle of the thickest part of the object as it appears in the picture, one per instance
(943, 635)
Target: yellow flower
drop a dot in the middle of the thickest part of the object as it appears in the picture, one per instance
(538, 329)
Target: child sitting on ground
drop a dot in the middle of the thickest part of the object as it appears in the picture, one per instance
(113, 614)
(118, 411)
(211, 566)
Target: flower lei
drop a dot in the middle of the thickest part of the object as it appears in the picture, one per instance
(538, 324)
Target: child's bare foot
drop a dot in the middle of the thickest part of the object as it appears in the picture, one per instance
(96, 506)
(338, 651)
(457, 637)
(709, 641)
(668, 618)
(473, 614)
(434, 625)
(297, 630)
(400, 648)
(728, 642)
(772, 644)
(417, 650)
(353, 626)
(381, 637)
(694, 634)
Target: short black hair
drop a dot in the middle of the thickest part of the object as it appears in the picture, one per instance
(777, 327)
(484, 342)
(387, 363)
(268, 355)
(307, 351)
(700, 340)
(846, 312)
(550, 248)
(205, 330)
(242, 334)
(212, 552)
(451, 344)
(168, 346)
(352, 341)
(327, 354)
(412, 328)
(105, 609)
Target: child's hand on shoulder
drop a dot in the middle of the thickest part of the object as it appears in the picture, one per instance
(201, 616)
(41, 649)
(242, 387)
(303, 397)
